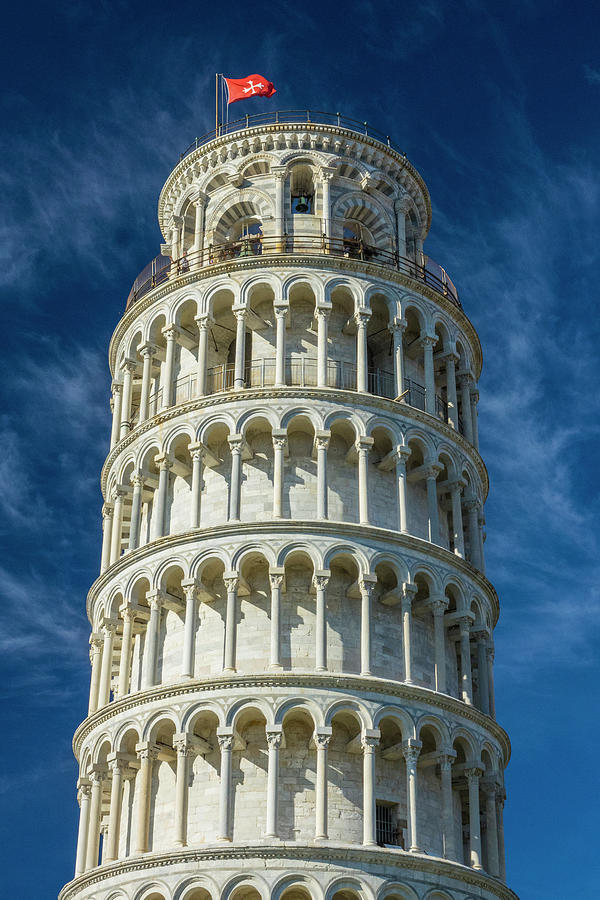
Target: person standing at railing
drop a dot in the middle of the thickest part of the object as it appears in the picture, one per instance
(185, 264)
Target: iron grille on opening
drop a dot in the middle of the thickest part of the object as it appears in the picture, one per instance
(387, 831)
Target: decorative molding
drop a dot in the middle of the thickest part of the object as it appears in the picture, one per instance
(342, 855)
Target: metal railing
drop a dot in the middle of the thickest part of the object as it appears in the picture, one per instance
(292, 117)
(162, 268)
(300, 371)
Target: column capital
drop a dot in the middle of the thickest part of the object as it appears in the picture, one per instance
(204, 321)
(275, 736)
(364, 443)
(190, 587)
(116, 386)
(279, 441)
(96, 641)
(281, 310)
(198, 450)
(409, 592)
(432, 471)
(163, 461)
(237, 443)
(472, 503)
(182, 744)
(137, 478)
(437, 604)
(117, 761)
(321, 578)
(276, 577)
(428, 340)
(146, 750)
(232, 581)
(474, 774)
(83, 786)
(402, 453)
(323, 310)
(366, 584)
(457, 484)
(129, 364)
(397, 325)
(170, 331)
(98, 774)
(403, 205)
(481, 634)
(322, 736)
(279, 172)
(128, 612)
(322, 439)
(411, 749)
(107, 510)
(446, 759)
(147, 349)
(109, 626)
(199, 198)
(361, 317)
(369, 739)
(155, 598)
(326, 173)
(225, 738)
(240, 313)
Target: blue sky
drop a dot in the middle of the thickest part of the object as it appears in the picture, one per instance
(497, 105)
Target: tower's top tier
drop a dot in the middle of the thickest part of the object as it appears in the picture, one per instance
(343, 151)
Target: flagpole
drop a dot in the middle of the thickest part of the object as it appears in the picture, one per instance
(216, 104)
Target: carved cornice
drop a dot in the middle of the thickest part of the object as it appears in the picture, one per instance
(308, 529)
(324, 681)
(342, 855)
(294, 261)
(326, 395)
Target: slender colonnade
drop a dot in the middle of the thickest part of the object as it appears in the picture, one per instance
(291, 652)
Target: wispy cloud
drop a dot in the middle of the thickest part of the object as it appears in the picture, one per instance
(591, 75)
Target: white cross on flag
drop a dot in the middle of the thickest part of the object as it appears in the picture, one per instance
(252, 86)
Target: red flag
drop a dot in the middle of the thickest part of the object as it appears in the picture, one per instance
(252, 86)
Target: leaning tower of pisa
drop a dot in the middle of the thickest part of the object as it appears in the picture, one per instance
(291, 632)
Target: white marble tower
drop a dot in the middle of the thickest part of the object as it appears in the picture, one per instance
(291, 653)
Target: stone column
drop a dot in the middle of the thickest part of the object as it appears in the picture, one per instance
(168, 396)
(276, 579)
(401, 208)
(474, 823)
(177, 221)
(427, 343)
(159, 513)
(232, 581)
(492, 695)
(96, 661)
(363, 445)
(278, 173)
(279, 445)
(446, 760)
(481, 638)
(97, 777)
(239, 380)
(117, 397)
(322, 443)
(152, 633)
(408, 594)
(326, 177)
(197, 452)
(280, 320)
(410, 751)
(182, 747)
(451, 360)
(457, 522)
(146, 754)
(274, 737)
(226, 746)
(432, 504)
(472, 507)
(236, 443)
(500, 798)
(137, 481)
(204, 322)
(397, 328)
(147, 351)
(491, 821)
(480, 524)
(117, 524)
(322, 316)
(108, 630)
(83, 796)
(465, 660)
(117, 766)
(107, 521)
(128, 615)
(199, 210)
(129, 367)
(474, 399)
(366, 585)
(362, 382)
(438, 607)
(402, 455)
(465, 396)
(322, 736)
(369, 741)
(320, 581)
(190, 589)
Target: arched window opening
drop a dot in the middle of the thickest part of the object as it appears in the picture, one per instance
(302, 191)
